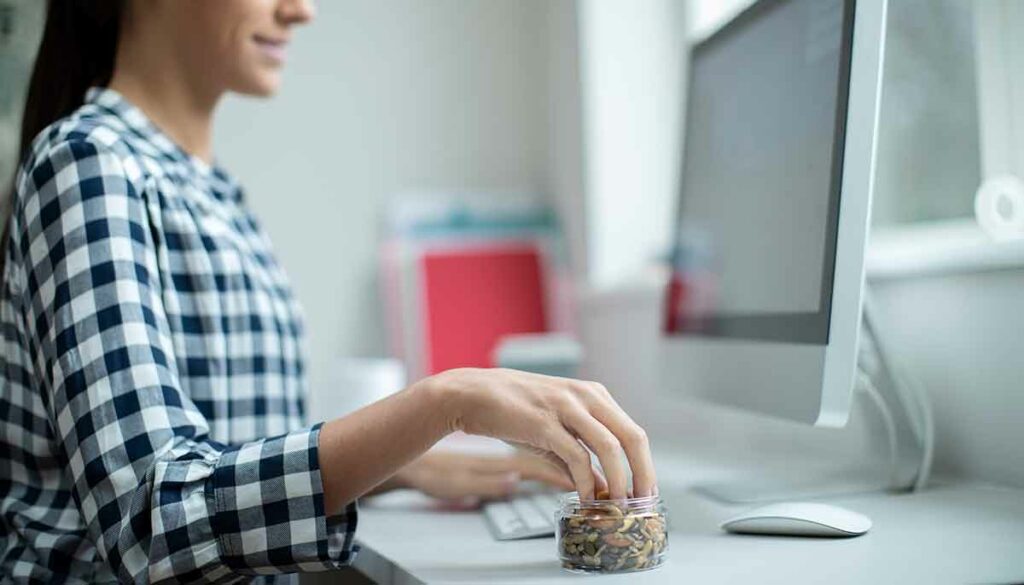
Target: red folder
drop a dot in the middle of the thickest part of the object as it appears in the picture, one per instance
(475, 295)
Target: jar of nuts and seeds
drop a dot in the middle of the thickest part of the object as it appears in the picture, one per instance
(611, 536)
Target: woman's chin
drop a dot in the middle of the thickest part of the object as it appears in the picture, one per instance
(264, 84)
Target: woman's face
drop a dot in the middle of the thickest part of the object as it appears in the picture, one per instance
(237, 45)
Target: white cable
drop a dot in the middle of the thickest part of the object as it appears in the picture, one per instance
(911, 394)
(865, 384)
(928, 422)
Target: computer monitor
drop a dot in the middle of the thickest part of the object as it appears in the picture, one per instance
(763, 309)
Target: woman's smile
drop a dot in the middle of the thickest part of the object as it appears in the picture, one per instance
(274, 48)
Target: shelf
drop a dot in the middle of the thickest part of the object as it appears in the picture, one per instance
(939, 248)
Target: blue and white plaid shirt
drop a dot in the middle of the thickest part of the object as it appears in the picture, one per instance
(150, 345)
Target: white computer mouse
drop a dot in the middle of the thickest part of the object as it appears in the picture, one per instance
(800, 519)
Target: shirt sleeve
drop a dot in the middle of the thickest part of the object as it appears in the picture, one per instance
(161, 501)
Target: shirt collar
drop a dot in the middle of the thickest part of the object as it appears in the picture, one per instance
(139, 123)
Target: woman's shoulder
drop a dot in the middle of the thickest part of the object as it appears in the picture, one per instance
(87, 135)
(79, 165)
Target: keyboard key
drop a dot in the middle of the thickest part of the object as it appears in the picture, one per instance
(527, 510)
(524, 516)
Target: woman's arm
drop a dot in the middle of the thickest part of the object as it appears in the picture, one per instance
(558, 417)
(367, 447)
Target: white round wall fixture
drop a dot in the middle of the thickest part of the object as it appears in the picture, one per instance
(999, 207)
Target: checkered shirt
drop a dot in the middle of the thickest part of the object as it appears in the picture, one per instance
(150, 346)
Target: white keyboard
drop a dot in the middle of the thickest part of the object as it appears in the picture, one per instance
(524, 516)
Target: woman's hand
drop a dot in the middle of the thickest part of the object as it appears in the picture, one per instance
(564, 420)
(454, 476)
(560, 418)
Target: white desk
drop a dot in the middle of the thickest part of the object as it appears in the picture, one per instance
(948, 534)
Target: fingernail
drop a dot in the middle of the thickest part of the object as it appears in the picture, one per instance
(512, 478)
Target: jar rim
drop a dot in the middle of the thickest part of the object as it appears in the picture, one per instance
(573, 498)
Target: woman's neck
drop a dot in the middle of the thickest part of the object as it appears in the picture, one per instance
(168, 93)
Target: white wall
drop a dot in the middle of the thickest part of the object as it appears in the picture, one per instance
(928, 163)
(565, 128)
(1000, 72)
(18, 48)
(706, 16)
(632, 58)
(961, 334)
(379, 97)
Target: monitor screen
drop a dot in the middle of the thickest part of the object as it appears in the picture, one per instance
(761, 176)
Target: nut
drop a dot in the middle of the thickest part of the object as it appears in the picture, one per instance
(614, 540)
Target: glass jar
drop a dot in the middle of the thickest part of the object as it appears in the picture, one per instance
(611, 536)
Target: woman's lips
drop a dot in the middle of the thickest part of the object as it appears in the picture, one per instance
(275, 49)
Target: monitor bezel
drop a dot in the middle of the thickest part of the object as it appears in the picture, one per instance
(809, 383)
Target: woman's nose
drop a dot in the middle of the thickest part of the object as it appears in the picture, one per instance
(296, 11)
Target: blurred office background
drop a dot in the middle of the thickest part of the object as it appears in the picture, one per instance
(581, 101)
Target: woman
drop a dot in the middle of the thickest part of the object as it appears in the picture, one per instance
(152, 370)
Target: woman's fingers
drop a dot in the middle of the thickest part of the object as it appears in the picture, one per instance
(605, 445)
(534, 468)
(602, 483)
(553, 414)
(489, 485)
(576, 458)
(631, 436)
(529, 467)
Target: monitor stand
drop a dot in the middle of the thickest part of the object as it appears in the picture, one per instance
(903, 409)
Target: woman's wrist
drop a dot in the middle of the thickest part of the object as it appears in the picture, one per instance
(402, 479)
(439, 396)
(400, 428)
(446, 397)
(405, 478)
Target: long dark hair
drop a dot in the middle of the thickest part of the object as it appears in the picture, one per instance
(76, 52)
